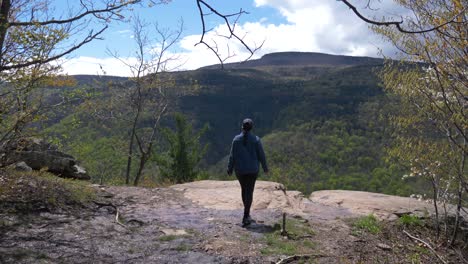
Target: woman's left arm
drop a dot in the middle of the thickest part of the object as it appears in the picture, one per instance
(261, 156)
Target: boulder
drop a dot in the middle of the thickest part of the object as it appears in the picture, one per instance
(39, 154)
(21, 166)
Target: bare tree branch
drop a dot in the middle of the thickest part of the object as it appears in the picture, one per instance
(398, 24)
(201, 4)
(108, 10)
(88, 39)
(427, 245)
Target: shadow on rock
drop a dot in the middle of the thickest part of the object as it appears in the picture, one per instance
(262, 228)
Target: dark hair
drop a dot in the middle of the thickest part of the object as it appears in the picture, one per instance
(247, 125)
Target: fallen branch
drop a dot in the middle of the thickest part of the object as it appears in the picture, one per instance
(117, 213)
(297, 257)
(427, 245)
(117, 217)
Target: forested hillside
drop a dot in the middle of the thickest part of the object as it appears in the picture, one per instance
(322, 121)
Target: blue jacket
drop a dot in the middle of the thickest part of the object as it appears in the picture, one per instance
(245, 159)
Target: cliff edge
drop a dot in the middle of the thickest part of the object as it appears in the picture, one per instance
(199, 222)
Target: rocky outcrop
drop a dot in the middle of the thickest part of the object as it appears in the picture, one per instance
(226, 195)
(324, 205)
(383, 206)
(200, 222)
(39, 154)
(364, 203)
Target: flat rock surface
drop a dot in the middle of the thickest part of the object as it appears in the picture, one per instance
(226, 195)
(196, 222)
(321, 205)
(364, 203)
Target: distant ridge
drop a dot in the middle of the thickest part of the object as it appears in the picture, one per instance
(89, 78)
(301, 59)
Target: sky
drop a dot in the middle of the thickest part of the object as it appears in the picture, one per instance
(326, 26)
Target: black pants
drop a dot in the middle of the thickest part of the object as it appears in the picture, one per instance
(247, 183)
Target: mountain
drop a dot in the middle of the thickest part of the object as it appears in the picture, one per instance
(322, 119)
(301, 59)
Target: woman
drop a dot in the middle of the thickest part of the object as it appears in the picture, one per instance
(246, 154)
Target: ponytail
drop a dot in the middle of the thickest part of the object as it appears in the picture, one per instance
(247, 125)
(244, 138)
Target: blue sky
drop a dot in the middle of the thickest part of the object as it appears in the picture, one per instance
(285, 25)
(118, 36)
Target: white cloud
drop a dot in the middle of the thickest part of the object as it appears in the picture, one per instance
(322, 26)
(326, 26)
(311, 25)
(97, 66)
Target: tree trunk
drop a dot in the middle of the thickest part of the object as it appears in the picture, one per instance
(145, 155)
(457, 217)
(4, 11)
(130, 145)
(129, 159)
(143, 160)
(436, 207)
(460, 194)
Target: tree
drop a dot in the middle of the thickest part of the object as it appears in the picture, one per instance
(31, 43)
(33, 39)
(180, 162)
(139, 103)
(432, 83)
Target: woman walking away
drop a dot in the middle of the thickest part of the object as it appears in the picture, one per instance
(246, 154)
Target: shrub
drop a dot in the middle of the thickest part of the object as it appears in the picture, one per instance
(367, 223)
(39, 190)
(410, 220)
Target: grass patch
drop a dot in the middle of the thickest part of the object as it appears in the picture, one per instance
(166, 238)
(183, 247)
(419, 255)
(414, 258)
(244, 238)
(368, 224)
(410, 220)
(296, 242)
(25, 192)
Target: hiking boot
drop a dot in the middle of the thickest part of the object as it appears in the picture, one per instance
(250, 219)
(246, 221)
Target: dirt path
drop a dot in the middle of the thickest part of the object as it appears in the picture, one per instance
(158, 226)
(174, 225)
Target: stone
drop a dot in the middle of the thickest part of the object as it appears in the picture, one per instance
(22, 166)
(39, 154)
(384, 246)
(80, 172)
(173, 232)
(208, 248)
